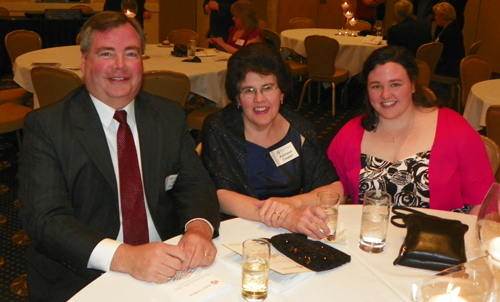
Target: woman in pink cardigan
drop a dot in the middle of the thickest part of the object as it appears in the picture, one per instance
(424, 156)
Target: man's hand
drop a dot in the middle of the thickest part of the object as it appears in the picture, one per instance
(152, 262)
(197, 245)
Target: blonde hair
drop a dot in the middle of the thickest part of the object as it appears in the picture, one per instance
(446, 11)
(403, 9)
(245, 10)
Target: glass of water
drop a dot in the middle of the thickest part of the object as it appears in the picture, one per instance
(192, 49)
(255, 269)
(374, 221)
(329, 202)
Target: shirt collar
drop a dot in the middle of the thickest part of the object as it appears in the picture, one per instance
(106, 113)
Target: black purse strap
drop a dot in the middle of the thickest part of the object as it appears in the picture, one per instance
(401, 212)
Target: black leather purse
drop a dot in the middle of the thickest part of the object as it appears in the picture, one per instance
(431, 242)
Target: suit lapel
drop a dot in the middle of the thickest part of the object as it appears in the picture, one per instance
(89, 132)
(150, 144)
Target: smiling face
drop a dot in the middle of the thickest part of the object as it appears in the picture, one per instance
(112, 67)
(260, 111)
(390, 91)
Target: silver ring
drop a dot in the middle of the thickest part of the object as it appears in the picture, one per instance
(277, 214)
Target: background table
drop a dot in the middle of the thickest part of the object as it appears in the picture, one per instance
(368, 277)
(207, 78)
(352, 52)
(54, 32)
(482, 95)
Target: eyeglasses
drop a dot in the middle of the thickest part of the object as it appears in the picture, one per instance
(250, 92)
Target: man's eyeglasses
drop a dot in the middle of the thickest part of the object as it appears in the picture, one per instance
(250, 92)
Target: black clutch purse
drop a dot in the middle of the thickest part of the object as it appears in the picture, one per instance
(431, 242)
(314, 255)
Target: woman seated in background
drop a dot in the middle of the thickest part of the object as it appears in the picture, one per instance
(452, 38)
(422, 155)
(245, 30)
(264, 159)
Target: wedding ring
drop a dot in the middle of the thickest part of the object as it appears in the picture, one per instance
(277, 214)
(206, 255)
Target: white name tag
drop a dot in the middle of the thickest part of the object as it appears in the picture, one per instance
(170, 181)
(284, 154)
(240, 42)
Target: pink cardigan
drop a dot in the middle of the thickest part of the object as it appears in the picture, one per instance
(459, 168)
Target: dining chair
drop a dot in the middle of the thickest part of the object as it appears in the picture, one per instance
(473, 69)
(21, 41)
(84, 8)
(52, 84)
(301, 22)
(430, 53)
(424, 73)
(474, 48)
(12, 118)
(360, 26)
(493, 123)
(182, 36)
(4, 12)
(272, 38)
(168, 84)
(429, 95)
(195, 118)
(493, 152)
(321, 54)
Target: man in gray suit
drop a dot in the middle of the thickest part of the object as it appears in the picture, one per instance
(69, 175)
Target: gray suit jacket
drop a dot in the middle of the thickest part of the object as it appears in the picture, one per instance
(69, 194)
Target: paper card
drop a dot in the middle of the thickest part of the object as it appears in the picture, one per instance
(196, 287)
(375, 40)
(206, 52)
(279, 263)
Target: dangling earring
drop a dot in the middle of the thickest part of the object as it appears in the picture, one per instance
(239, 105)
(282, 97)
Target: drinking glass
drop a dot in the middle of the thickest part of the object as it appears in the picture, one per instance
(374, 222)
(255, 269)
(129, 8)
(467, 282)
(353, 22)
(192, 49)
(329, 202)
(348, 15)
(378, 27)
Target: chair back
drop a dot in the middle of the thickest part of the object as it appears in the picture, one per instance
(493, 123)
(301, 22)
(321, 54)
(168, 84)
(272, 38)
(493, 152)
(84, 8)
(52, 84)
(4, 12)
(473, 69)
(360, 26)
(21, 41)
(430, 53)
(182, 36)
(474, 48)
(429, 95)
(424, 73)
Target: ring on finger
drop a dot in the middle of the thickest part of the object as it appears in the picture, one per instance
(206, 255)
(277, 214)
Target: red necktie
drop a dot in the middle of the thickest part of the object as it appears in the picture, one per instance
(135, 224)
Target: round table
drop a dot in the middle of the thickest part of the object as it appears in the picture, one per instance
(207, 78)
(352, 52)
(482, 95)
(368, 277)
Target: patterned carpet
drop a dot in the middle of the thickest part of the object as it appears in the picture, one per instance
(13, 241)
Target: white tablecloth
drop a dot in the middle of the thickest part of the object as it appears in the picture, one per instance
(368, 277)
(482, 95)
(207, 78)
(352, 52)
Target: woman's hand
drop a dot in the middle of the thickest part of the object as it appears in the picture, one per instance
(310, 221)
(216, 41)
(273, 211)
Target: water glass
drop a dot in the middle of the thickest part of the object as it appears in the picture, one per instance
(329, 202)
(255, 269)
(374, 221)
(192, 49)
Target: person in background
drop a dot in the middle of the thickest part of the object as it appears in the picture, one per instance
(142, 13)
(220, 17)
(104, 148)
(265, 159)
(408, 32)
(245, 30)
(367, 10)
(422, 155)
(452, 38)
